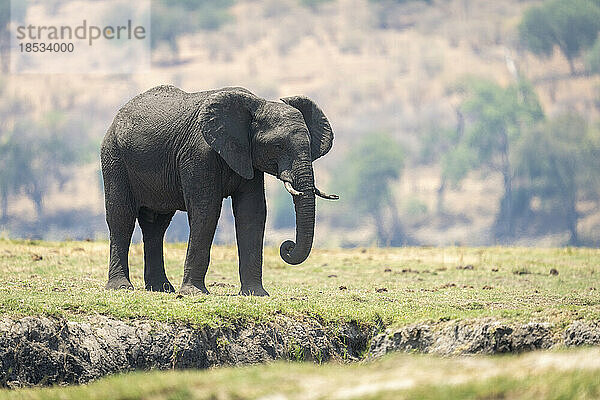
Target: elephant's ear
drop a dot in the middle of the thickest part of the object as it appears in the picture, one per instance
(224, 120)
(321, 135)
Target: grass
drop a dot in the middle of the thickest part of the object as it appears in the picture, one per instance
(397, 286)
(547, 375)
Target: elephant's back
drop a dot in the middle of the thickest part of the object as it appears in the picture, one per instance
(159, 110)
(162, 114)
(165, 104)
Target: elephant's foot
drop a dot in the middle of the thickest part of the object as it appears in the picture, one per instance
(253, 291)
(119, 283)
(193, 289)
(160, 285)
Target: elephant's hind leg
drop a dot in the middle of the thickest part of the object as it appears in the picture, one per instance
(120, 217)
(154, 226)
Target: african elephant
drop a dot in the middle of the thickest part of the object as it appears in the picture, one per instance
(169, 150)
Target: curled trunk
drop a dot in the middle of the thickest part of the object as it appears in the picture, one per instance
(296, 252)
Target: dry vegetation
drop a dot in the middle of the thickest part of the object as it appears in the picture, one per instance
(370, 69)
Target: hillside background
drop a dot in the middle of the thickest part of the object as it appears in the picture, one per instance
(385, 70)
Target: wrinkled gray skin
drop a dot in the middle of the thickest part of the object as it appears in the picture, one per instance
(169, 150)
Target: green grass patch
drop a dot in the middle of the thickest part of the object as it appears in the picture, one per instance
(397, 286)
(547, 375)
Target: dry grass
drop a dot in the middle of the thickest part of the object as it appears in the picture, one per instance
(399, 286)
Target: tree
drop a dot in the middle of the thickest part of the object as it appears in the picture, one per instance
(55, 144)
(572, 25)
(168, 23)
(313, 4)
(592, 58)
(283, 215)
(173, 18)
(36, 154)
(366, 181)
(559, 161)
(14, 10)
(497, 118)
(4, 34)
(436, 142)
(11, 150)
(9, 10)
(13, 156)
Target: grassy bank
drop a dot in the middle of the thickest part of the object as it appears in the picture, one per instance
(399, 286)
(548, 375)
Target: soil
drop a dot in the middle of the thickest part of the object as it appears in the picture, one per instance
(45, 350)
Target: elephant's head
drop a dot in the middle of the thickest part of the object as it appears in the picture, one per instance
(282, 139)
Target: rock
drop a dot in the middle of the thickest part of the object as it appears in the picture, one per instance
(532, 336)
(468, 267)
(464, 337)
(581, 333)
(411, 338)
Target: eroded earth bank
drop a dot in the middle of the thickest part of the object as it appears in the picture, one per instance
(43, 351)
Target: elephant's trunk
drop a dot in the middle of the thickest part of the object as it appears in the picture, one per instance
(295, 253)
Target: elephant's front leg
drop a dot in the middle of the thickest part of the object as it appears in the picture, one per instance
(204, 208)
(250, 211)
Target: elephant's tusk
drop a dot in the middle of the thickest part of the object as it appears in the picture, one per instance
(325, 195)
(290, 188)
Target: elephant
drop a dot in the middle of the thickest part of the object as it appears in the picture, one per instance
(169, 150)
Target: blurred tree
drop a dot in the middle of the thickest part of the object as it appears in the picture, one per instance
(390, 14)
(366, 181)
(572, 25)
(55, 144)
(560, 161)
(4, 34)
(36, 154)
(9, 10)
(393, 2)
(498, 117)
(168, 23)
(12, 156)
(313, 4)
(283, 209)
(592, 58)
(436, 143)
(11, 151)
(173, 18)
